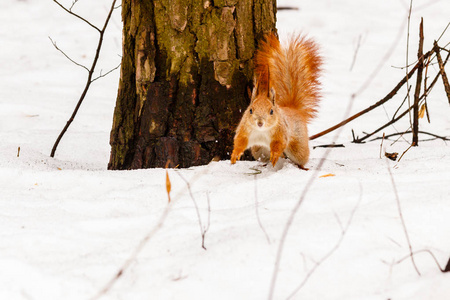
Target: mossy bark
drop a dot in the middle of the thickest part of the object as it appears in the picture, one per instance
(185, 70)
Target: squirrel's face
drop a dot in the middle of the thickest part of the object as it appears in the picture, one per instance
(263, 113)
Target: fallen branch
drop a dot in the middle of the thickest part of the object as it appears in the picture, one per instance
(381, 102)
(393, 120)
(90, 71)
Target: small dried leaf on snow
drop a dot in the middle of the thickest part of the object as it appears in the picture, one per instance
(327, 175)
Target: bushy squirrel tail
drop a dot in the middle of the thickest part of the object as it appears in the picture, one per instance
(292, 71)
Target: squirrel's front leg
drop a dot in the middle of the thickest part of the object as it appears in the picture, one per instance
(240, 144)
(276, 150)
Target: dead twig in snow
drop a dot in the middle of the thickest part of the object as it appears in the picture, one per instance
(257, 212)
(395, 119)
(344, 230)
(415, 127)
(443, 270)
(297, 206)
(202, 230)
(90, 70)
(400, 213)
(358, 44)
(126, 265)
(377, 104)
(407, 57)
(444, 138)
(442, 71)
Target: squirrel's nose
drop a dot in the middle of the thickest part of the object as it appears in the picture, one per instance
(260, 123)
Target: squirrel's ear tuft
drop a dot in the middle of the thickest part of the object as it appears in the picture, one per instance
(272, 95)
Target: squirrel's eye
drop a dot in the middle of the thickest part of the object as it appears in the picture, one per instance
(271, 111)
(251, 111)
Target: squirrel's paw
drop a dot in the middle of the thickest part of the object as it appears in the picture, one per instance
(235, 156)
(274, 158)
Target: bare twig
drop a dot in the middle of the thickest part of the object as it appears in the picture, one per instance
(90, 72)
(73, 61)
(443, 32)
(382, 101)
(332, 250)
(442, 71)
(444, 138)
(407, 57)
(78, 16)
(423, 251)
(404, 152)
(425, 89)
(126, 265)
(401, 217)
(403, 102)
(358, 44)
(297, 206)
(415, 127)
(107, 73)
(202, 230)
(257, 212)
(73, 4)
(381, 145)
(393, 120)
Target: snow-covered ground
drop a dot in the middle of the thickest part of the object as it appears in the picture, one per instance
(68, 224)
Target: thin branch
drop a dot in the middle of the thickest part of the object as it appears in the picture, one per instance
(382, 101)
(415, 127)
(358, 44)
(297, 206)
(401, 218)
(392, 121)
(401, 156)
(107, 73)
(407, 57)
(126, 265)
(89, 79)
(202, 231)
(257, 212)
(77, 16)
(443, 32)
(287, 8)
(73, 61)
(442, 71)
(422, 251)
(401, 133)
(403, 102)
(332, 250)
(425, 89)
(73, 4)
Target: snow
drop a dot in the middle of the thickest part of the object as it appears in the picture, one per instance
(68, 224)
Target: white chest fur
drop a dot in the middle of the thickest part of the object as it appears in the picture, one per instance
(259, 138)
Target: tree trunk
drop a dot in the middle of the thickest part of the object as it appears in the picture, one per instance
(185, 70)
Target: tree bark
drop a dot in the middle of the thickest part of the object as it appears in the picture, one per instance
(185, 70)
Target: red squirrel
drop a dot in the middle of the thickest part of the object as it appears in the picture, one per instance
(284, 99)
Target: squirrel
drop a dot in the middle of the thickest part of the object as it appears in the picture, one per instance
(284, 99)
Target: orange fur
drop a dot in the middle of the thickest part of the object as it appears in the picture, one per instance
(284, 100)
